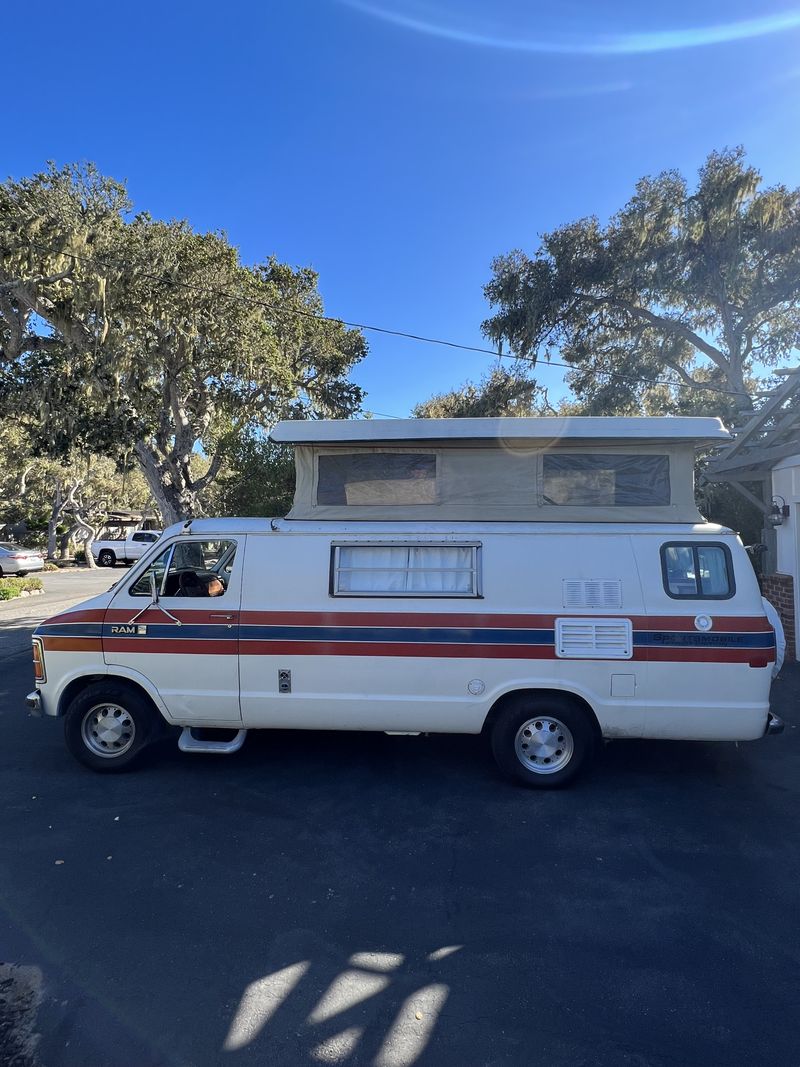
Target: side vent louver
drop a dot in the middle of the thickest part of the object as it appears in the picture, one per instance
(594, 638)
(603, 593)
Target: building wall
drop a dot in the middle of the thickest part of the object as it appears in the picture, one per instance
(779, 590)
(783, 588)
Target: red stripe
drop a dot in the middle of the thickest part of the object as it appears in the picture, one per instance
(720, 623)
(195, 616)
(171, 646)
(92, 615)
(680, 623)
(393, 618)
(709, 655)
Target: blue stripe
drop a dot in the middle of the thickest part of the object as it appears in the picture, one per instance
(672, 639)
(398, 634)
(69, 629)
(186, 631)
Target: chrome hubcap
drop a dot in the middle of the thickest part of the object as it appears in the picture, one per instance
(108, 730)
(544, 745)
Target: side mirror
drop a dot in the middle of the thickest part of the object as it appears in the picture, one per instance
(153, 587)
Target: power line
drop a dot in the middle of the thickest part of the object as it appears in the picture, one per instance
(303, 313)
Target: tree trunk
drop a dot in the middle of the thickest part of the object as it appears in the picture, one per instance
(52, 522)
(91, 534)
(175, 502)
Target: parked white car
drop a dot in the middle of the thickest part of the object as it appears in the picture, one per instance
(14, 559)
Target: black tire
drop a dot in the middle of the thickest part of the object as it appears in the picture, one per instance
(550, 756)
(22, 574)
(137, 726)
(106, 558)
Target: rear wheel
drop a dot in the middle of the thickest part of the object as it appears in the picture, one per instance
(106, 558)
(542, 741)
(107, 726)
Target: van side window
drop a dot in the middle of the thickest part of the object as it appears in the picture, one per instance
(697, 571)
(190, 569)
(405, 570)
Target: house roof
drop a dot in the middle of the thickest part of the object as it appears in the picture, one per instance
(548, 429)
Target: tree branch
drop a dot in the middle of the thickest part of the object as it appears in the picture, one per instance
(11, 287)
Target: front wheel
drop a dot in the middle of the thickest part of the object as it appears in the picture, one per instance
(107, 726)
(542, 741)
(106, 558)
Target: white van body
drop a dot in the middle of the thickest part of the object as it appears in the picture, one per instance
(429, 626)
(698, 670)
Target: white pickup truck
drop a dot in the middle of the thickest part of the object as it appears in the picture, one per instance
(109, 552)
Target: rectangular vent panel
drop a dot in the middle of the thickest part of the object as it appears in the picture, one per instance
(603, 593)
(594, 638)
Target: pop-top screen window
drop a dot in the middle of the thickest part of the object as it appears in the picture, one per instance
(610, 481)
(406, 570)
(376, 478)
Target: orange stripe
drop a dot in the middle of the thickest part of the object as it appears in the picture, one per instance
(72, 644)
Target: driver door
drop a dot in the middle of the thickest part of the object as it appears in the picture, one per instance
(187, 644)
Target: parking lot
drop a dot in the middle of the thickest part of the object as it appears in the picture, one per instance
(360, 899)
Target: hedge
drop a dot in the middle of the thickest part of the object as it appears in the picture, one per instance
(12, 587)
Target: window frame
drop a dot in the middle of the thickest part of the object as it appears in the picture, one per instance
(694, 546)
(169, 550)
(477, 570)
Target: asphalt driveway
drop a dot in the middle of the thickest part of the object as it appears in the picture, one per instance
(358, 899)
(62, 589)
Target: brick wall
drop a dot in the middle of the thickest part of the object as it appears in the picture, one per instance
(779, 590)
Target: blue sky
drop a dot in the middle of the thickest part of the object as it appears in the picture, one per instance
(398, 145)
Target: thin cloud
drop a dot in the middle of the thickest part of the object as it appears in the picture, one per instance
(598, 44)
(577, 92)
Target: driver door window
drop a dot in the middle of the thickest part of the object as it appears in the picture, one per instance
(190, 569)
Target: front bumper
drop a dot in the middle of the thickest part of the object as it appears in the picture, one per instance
(34, 702)
(774, 725)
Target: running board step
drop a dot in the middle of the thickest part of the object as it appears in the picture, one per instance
(187, 742)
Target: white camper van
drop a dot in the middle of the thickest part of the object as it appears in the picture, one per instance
(546, 581)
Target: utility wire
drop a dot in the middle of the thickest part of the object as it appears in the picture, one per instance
(303, 313)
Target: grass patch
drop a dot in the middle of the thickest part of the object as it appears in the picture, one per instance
(12, 587)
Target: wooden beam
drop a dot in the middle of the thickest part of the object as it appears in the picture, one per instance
(757, 457)
(740, 489)
(782, 394)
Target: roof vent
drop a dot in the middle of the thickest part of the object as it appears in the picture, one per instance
(594, 639)
(605, 593)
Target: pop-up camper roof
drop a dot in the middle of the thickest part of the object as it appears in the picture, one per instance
(537, 469)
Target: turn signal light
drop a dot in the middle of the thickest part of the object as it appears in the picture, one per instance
(38, 661)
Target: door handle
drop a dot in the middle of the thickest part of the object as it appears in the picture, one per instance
(220, 615)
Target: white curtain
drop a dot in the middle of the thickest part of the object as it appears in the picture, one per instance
(422, 569)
